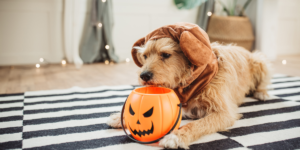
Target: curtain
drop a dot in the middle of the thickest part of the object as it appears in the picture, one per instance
(72, 33)
(96, 44)
(203, 18)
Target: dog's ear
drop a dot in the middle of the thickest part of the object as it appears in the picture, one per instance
(139, 54)
(197, 50)
(136, 52)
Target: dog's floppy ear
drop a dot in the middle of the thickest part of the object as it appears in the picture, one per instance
(197, 50)
(135, 52)
(139, 54)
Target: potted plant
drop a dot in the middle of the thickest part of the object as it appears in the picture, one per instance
(234, 28)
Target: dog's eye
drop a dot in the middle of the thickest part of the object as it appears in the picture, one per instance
(165, 55)
(145, 56)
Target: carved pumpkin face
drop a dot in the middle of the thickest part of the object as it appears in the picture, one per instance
(150, 112)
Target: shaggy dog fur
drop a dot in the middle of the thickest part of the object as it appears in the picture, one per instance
(240, 73)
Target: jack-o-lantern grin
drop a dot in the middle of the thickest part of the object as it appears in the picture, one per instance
(140, 133)
(146, 115)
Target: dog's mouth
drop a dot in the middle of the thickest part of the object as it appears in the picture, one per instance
(153, 84)
(140, 133)
(149, 83)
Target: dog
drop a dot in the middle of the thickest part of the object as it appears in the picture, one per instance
(239, 73)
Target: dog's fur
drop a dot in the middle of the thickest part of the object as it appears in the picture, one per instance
(240, 73)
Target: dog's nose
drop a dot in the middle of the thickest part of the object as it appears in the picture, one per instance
(146, 75)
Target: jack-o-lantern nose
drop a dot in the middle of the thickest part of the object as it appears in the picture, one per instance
(138, 122)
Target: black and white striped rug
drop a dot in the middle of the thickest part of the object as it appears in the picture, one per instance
(75, 119)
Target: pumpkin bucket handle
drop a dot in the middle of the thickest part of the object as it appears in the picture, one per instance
(132, 138)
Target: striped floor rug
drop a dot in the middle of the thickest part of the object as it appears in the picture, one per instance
(75, 119)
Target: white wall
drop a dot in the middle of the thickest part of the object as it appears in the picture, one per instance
(30, 29)
(136, 18)
(34, 28)
(278, 23)
(288, 27)
(267, 27)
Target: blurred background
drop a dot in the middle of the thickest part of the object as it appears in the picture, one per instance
(57, 44)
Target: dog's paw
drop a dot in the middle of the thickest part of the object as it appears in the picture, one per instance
(172, 141)
(261, 96)
(114, 120)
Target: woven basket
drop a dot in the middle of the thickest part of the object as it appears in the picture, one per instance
(232, 29)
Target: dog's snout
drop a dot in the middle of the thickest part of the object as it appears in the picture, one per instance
(146, 75)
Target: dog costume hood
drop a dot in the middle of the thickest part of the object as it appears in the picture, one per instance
(195, 44)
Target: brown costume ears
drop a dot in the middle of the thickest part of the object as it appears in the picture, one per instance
(134, 51)
(195, 50)
(193, 42)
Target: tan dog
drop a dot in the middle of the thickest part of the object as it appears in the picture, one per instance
(239, 73)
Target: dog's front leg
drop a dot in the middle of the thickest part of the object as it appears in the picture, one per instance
(214, 122)
(114, 120)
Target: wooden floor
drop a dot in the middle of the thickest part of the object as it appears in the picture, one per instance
(17, 79)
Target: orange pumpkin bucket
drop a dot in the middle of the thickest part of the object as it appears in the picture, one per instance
(150, 113)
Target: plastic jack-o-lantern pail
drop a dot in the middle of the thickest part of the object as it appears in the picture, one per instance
(150, 113)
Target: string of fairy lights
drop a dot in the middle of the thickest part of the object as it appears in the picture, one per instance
(106, 62)
(42, 61)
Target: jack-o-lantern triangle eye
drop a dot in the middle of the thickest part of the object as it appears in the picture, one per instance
(131, 111)
(148, 113)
